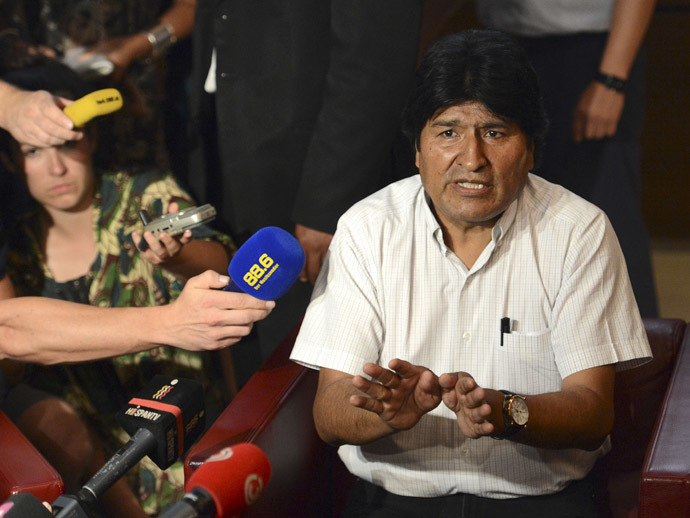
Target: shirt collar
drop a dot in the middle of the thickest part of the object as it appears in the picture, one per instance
(500, 229)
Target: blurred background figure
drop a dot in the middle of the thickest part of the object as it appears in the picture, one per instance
(295, 108)
(590, 60)
(137, 47)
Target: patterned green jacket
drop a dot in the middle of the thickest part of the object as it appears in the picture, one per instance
(119, 275)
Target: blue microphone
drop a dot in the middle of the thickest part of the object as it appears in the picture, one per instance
(267, 264)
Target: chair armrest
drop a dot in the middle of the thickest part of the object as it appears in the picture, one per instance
(274, 412)
(22, 468)
(665, 483)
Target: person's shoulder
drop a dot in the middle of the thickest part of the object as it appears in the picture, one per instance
(555, 201)
(393, 201)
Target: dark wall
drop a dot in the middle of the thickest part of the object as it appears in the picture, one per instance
(666, 137)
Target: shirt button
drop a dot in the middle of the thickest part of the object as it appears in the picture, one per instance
(465, 451)
(224, 17)
(223, 75)
(466, 336)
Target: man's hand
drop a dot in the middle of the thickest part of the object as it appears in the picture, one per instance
(36, 118)
(315, 244)
(463, 396)
(205, 318)
(597, 113)
(402, 395)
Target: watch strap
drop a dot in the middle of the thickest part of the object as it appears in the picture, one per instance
(510, 427)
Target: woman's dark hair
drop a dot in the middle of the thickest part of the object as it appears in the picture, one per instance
(52, 76)
(59, 80)
(489, 67)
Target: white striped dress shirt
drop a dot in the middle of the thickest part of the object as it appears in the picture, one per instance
(390, 288)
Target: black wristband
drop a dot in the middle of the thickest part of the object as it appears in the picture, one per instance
(611, 81)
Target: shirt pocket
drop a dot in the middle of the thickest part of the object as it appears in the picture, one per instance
(527, 363)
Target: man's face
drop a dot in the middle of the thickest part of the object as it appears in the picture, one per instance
(59, 177)
(473, 164)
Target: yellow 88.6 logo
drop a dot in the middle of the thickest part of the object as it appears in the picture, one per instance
(257, 270)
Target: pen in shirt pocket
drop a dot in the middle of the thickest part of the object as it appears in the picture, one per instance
(505, 327)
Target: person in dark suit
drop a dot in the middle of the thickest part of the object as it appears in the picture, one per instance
(295, 108)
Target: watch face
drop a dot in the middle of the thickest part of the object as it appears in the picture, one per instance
(519, 411)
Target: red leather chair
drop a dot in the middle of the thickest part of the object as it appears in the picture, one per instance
(639, 394)
(273, 411)
(22, 468)
(665, 485)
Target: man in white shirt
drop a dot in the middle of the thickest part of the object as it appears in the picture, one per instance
(468, 322)
(590, 58)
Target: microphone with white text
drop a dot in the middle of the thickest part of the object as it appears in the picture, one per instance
(23, 505)
(267, 264)
(225, 484)
(163, 421)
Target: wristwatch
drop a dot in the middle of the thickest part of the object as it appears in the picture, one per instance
(515, 414)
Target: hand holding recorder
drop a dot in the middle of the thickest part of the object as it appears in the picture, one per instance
(172, 225)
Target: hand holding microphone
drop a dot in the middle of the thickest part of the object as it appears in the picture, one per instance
(267, 264)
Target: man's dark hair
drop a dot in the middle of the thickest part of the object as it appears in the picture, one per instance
(489, 67)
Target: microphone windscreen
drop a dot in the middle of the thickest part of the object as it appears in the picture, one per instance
(100, 102)
(267, 264)
(173, 409)
(235, 477)
(23, 505)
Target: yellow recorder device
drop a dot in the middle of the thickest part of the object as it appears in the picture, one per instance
(95, 104)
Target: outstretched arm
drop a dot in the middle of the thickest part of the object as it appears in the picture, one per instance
(44, 330)
(350, 409)
(579, 416)
(123, 50)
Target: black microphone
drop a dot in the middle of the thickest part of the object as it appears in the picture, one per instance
(225, 484)
(164, 420)
(24, 505)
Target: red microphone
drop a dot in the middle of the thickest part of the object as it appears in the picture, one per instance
(226, 484)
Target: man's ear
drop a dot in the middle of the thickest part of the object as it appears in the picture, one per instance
(530, 147)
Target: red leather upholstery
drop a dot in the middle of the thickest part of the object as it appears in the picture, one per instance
(638, 396)
(273, 411)
(665, 485)
(22, 468)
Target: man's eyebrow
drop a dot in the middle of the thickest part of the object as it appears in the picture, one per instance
(445, 123)
(448, 123)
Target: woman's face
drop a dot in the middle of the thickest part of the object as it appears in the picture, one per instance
(59, 177)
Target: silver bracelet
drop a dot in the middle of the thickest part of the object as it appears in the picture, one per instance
(160, 38)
